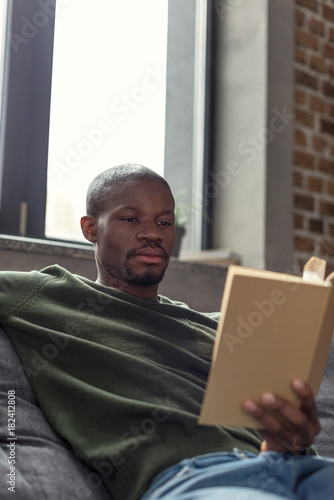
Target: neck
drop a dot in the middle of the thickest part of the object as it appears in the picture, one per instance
(140, 291)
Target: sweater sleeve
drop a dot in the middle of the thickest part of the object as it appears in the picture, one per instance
(16, 288)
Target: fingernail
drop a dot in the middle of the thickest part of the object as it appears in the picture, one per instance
(268, 398)
(298, 384)
(250, 406)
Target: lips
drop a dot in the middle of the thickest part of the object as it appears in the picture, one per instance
(150, 255)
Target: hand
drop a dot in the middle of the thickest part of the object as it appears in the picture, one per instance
(297, 428)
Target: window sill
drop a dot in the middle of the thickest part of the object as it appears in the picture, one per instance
(46, 247)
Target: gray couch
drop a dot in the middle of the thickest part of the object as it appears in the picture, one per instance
(45, 465)
(46, 468)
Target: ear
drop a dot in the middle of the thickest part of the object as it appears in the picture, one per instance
(88, 227)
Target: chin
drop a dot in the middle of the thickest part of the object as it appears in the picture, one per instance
(147, 279)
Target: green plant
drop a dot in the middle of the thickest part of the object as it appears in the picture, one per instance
(183, 211)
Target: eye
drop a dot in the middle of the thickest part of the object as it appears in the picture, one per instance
(164, 223)
(129, 219)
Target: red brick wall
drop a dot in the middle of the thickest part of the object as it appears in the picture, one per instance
(314, 131)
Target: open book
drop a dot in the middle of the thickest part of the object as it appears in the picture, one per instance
(273, 327)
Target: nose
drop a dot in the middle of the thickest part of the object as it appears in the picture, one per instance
(149, 231)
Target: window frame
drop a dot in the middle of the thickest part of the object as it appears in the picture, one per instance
(25, 116)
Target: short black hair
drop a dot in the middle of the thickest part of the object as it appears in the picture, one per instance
(107, 182)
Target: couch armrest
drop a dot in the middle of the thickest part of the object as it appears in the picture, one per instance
(45, 466)
(325, 405)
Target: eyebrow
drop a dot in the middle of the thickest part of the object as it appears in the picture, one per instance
(167, 211)
(125, 207)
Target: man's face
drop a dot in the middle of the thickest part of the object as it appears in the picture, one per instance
(135, 235)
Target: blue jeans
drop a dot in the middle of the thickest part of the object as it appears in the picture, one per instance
(246, 476)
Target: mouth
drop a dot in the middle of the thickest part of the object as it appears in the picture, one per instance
(151, 255)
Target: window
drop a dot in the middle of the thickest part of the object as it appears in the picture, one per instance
(38, 167)
(107, 101)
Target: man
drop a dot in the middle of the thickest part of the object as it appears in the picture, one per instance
(127, 383)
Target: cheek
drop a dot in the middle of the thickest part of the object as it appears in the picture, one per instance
(116, 245)
(172, 239)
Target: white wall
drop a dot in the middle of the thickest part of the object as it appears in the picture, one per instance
(250, 98)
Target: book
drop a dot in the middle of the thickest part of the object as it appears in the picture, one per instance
(273, 327)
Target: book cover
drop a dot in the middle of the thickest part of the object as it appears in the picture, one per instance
(273, 327)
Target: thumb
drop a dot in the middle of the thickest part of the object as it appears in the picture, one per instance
(271, 444)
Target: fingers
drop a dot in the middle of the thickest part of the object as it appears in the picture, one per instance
(308, 405)
(288, 428)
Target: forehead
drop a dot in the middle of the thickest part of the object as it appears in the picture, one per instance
(143, 193)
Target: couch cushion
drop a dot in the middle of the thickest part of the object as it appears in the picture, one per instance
(45, 466)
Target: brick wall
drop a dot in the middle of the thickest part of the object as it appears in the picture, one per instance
(314, 131)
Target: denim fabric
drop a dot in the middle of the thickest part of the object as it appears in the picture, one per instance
(245, 476)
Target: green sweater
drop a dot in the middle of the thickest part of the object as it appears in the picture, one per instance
(121, 378)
